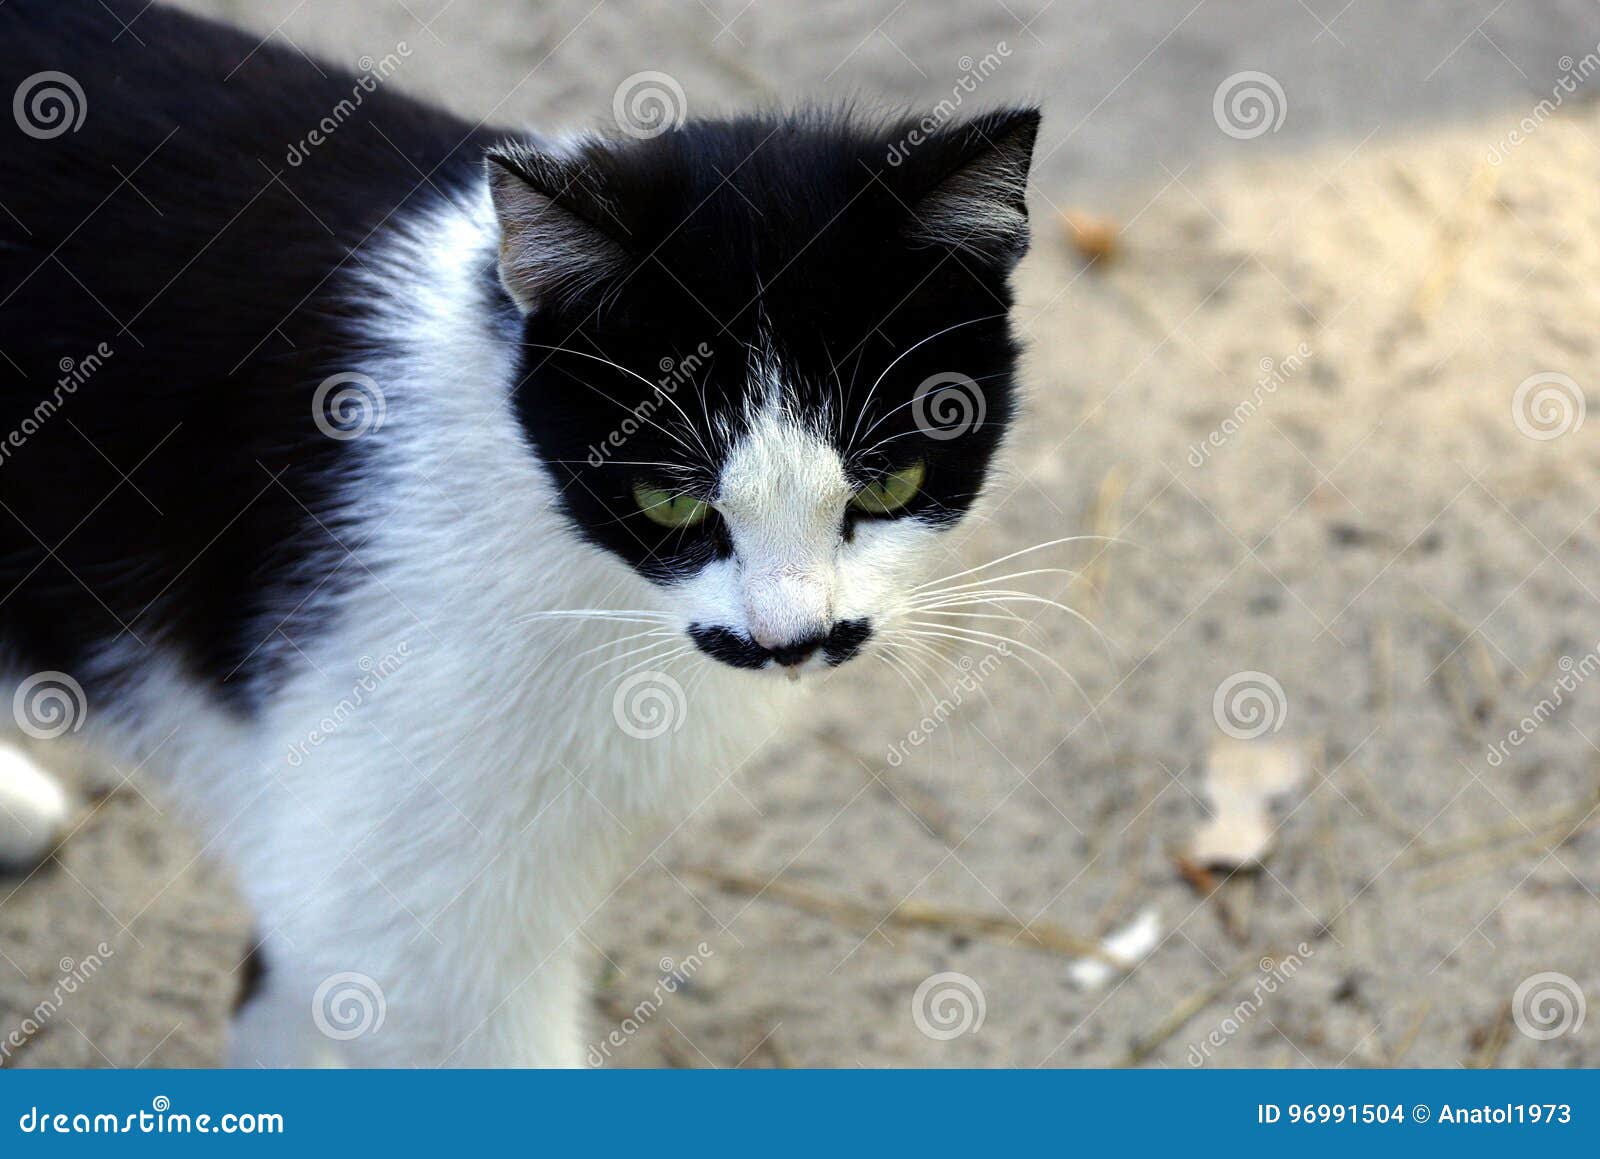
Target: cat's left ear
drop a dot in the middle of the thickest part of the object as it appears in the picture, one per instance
(560, 235)
(975, 180)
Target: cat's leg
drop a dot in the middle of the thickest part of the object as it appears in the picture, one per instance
(481, 999)
(402, 924)
(33, 809)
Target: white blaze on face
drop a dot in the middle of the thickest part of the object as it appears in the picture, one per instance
(782, 494)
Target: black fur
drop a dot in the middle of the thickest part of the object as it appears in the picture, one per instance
(840, 644)
(795, 234)
(193, 257)
(171, 227)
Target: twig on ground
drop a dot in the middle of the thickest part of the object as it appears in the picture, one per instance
(911, 915)
(1185, 1012)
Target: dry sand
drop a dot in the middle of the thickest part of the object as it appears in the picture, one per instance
(1378, 536)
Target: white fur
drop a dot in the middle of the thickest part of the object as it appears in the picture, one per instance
(477, 798)
(33, 809)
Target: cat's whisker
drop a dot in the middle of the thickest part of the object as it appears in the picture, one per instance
(659, 632)
(656, 387)
(654, 662)
(1010, 642)
(866, 402)
(689, 450)
(627, 615)
(967, 642)
(1002, 596)
(1011, 618)
(1070, 573)
(1025, 551)
(896, 664)
(933, 653)
(655, 646)
(894, 410)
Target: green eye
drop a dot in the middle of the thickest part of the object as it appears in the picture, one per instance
(668, 509)
(891, 492)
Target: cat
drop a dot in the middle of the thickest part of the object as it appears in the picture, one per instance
(430, 510)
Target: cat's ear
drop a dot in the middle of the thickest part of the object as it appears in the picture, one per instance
(558, 230)
(973, 180)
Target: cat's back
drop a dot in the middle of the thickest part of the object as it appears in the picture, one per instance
(183, 207)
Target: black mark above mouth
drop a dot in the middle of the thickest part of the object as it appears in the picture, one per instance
(842, 643)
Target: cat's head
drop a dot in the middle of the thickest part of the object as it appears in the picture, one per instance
(768, 361)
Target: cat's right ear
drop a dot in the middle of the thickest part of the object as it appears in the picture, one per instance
(558, 230)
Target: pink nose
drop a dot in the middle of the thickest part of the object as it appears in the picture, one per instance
(787, 606)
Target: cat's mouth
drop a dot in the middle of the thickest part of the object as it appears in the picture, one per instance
(829, 649)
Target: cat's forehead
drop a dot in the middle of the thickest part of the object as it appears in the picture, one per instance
(781, 466)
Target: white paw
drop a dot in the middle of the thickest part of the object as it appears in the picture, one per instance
(33, 810)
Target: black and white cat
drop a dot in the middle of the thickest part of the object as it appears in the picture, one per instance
(426, 508)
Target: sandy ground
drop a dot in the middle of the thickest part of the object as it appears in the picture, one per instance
(1389, 533)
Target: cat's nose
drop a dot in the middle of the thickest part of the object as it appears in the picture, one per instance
(789, 612)
(794, 654)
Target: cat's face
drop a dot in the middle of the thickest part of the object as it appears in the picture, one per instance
(768, 362)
